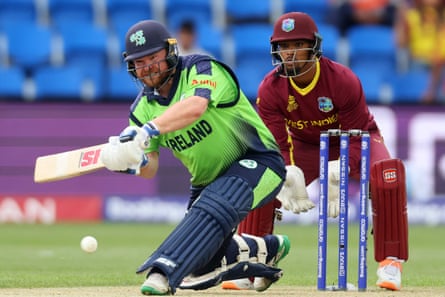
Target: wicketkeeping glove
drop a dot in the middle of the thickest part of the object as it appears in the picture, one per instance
(293, 194)
(333, 188)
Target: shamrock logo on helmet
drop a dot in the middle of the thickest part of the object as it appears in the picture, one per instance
(138, 37)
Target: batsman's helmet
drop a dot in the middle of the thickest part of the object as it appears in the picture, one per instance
(147, 37)
(294, 26)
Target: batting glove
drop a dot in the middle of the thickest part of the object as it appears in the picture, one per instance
(151, 129)
(293, 194)
(125, 153)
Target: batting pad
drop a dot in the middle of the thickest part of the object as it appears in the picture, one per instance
(201, 234)
(389, 209)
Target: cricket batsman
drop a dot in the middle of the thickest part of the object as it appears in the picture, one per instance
(193, 106)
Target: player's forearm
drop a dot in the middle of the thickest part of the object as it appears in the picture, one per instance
(151, 168)
(181, 114)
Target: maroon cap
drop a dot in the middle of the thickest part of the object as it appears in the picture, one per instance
(293, 26)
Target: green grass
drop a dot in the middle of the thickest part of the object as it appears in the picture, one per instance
(34, 256)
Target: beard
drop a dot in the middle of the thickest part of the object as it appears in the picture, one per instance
(156, 80)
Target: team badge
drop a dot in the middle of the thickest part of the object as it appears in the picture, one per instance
(325, 104)
(250, 164)
(138, 37)
(288, 25)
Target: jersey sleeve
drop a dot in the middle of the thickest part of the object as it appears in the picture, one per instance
(354, 112)
(210, 80)
(269, 109)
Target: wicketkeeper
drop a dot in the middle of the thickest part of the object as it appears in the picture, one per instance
(303, 95)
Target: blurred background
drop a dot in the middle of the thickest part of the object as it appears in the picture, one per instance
(63, 85)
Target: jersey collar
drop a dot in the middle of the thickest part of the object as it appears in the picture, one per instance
(309, 87)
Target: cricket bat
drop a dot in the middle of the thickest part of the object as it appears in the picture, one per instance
(68, 164)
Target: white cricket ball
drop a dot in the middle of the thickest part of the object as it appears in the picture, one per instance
(88, 244)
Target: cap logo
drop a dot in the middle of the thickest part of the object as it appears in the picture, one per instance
(138, 37)
(288, 25)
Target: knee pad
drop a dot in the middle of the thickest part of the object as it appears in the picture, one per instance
(211, 219)
(231, 193)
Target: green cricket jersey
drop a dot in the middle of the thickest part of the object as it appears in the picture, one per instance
(225, 133)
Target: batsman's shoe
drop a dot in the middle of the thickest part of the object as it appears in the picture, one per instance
(261, 284)
(283, 250)
(390, 274)
(156, 284)
(238, 284)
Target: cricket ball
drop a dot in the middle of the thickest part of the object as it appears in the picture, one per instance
(88, 244)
